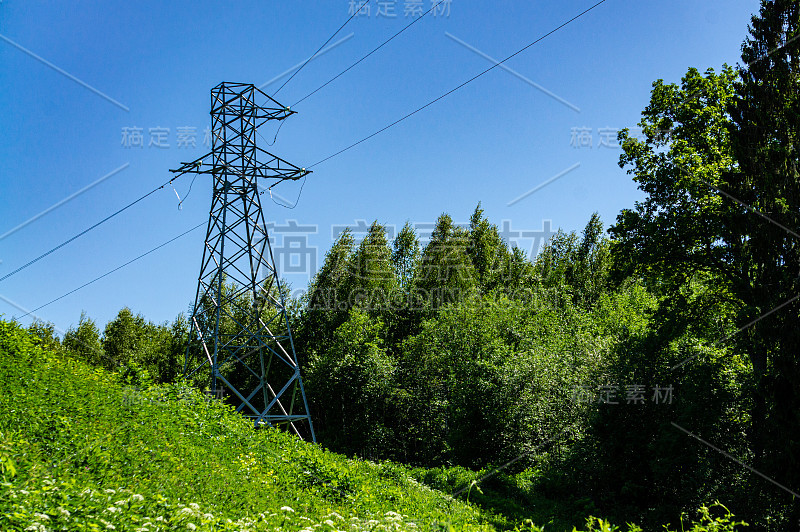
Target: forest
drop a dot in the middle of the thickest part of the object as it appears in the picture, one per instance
(635, 372)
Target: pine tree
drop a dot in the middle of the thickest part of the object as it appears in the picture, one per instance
(446, 272)
(371, 265)
(765, 137)
(486, 249)
(405, 254)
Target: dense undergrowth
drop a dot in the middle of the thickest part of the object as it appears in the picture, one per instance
(83, 450)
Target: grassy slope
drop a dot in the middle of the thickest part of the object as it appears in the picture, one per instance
(91, 454)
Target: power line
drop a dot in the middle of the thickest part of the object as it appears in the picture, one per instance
(451, 91)
(104, 220)
(366, 56)
(114, 270)
(356, 12)
(337, 76)
(343, 72)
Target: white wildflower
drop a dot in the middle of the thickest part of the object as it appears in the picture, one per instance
(329, 523)
(208, 517)
(63, 511)
(120, 503)
(190, 526)
(43, 517)
(334, 515)
(25, 492)
(110, 491)
(194, 506)
(287, 509)
(137, 497)
(113, 509)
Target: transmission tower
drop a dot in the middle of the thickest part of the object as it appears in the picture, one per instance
(240, 337)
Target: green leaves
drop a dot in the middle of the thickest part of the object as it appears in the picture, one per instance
(7, 466)
(717, 235)
(92, 453)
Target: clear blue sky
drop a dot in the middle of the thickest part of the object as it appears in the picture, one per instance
(492, 141)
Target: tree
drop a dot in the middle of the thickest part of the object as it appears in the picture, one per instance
(45, 332)
(327, 302)
(351, 386)
(84, 341)
(674, 232)
(446, 273)
(765, 135)
(486, 249)
(144, 349)
(405, 254)
(373, 274)
(719, 167)
(589, 275)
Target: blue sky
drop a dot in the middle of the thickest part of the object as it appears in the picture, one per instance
(122, 67)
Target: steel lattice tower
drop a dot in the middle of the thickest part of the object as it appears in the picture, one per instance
(240, 334)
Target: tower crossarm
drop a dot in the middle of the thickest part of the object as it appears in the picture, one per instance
(199, 166)
(273, 168)
(276, 168)
(233, 94)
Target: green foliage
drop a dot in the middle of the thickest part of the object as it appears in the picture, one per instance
(91, 452)
(719, 170)
(710, 523)
(472, 360)
(492, 379)
(372, 270)
(405, 254)
(485, 249)
(765, 135)
(581, 266)
(147, 352)
(46, 335)
(8, 468)
(676, 230)
(327, 301)
(351, 381)
(446, 273)
(84, 341)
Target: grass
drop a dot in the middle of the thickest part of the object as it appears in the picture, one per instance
(83, 451)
